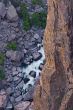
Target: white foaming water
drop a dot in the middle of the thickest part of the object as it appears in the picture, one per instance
(33, 67)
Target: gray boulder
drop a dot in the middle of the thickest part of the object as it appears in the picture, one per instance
(14, 55)
(2, 10)
(11, 37)
(12, 14)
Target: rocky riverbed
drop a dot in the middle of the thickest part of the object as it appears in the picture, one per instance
(24, 58)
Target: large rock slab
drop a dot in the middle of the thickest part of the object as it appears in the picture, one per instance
(2, 10)
(12, 14)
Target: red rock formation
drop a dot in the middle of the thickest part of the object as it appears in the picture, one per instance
(55, 91)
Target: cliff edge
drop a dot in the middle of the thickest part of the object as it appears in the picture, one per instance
(55, 91)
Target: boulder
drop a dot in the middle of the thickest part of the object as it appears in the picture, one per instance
(22, 105)
(37, 56)
(11, 37)
(36, 36)
(12, 14)
(2, 10)
(3, 97)
(32, 74)
(41, 66)
(14, 55)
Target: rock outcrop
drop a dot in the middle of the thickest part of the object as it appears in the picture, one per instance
(55, 91)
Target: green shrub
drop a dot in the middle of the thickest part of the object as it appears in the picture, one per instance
(25, 16)
(12, 45)
(43, 18)
(2, 75)
(2, 58)
(39, 19)
(37, 2)
(26, 24)
(23, 9)
(36, 20)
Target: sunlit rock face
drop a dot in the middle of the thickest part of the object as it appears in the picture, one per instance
(55, 89)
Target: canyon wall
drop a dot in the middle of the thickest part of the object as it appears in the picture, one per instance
(55, 90)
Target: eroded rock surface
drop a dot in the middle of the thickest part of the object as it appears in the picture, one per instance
(55, 91)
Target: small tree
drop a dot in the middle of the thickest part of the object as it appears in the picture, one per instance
(25, 16)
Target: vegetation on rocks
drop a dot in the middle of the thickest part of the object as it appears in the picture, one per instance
(2, 75)
(12, 45)
(1, 58)
(39, 19)
(36, 2)
(25, 16)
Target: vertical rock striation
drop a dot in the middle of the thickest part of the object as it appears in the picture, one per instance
(55, 91)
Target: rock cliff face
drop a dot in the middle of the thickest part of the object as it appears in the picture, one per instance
(55, 91)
